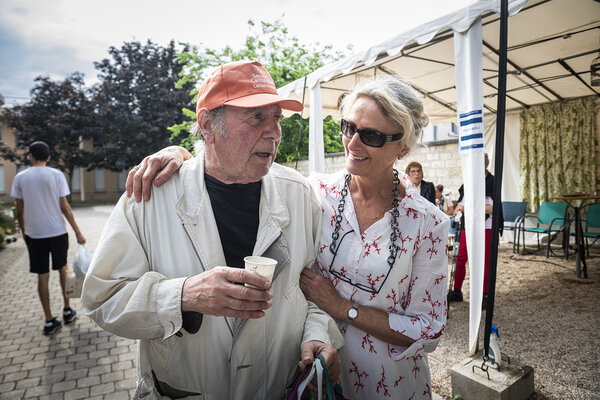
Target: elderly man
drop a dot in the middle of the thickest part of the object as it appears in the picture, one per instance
(169, 271)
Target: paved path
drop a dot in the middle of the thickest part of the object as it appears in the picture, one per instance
(81, 361)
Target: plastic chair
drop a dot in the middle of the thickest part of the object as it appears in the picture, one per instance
(514, 213)
(592, 220)
(554, 215)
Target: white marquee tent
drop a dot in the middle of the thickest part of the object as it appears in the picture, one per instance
(551, 45)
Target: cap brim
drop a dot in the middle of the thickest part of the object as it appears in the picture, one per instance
(265, 99)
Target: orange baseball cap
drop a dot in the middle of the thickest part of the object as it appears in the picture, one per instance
(243, 84)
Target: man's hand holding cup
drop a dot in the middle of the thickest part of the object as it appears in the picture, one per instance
(218, 292)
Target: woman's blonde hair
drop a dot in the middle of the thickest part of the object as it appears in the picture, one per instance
(397, 100)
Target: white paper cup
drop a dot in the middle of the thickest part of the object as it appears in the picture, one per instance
(263, 266)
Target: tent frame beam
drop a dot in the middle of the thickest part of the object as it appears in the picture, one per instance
(423, 92)
(576, 75)
(524, 105)
(585, 53)
(527, 74)
(561, 36)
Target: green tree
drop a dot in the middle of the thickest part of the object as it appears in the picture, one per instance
(289, 149)
(136, 101)
(59, 113)
(284, 57)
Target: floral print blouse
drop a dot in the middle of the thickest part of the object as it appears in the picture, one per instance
(412, 291)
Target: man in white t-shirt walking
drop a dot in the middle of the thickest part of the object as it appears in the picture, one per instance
(40, 194)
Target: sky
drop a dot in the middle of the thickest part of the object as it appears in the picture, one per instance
(56, 38)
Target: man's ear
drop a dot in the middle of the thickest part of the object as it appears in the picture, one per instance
(207, 126)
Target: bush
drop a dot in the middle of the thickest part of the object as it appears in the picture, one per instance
(6, 223)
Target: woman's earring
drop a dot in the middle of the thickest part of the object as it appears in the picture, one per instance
(402, 153)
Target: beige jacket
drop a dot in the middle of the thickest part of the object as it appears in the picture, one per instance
(147, 249)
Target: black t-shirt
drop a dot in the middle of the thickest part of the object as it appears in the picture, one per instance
(236, 211)
(235, 208)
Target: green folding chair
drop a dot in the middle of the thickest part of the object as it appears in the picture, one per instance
(514, 217)
(554, 216)
(592, 221)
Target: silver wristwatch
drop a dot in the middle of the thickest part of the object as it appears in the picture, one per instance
(352, 313)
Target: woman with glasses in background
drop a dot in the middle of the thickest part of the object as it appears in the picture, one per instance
(414, 170)
(382, 258)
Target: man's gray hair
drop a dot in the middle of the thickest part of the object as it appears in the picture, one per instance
(397, 100)
(218, 116)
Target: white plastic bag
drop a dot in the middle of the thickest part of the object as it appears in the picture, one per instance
(73, 285)
(82, 261)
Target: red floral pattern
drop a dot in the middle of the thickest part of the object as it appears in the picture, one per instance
(382, 385)
(368, 342)
(357, 383)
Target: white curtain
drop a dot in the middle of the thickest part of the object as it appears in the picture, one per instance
(510, 171)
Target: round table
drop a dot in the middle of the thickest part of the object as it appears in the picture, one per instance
(570, 198)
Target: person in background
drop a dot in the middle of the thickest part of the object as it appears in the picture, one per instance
(455, 294)
(41, 196)
(382, 261)
(442, 201)
(170, 272)
(426, 189)
(445, 204)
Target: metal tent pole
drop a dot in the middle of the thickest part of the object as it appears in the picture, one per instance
(499, 163)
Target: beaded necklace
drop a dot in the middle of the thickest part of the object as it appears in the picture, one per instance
(394, 225)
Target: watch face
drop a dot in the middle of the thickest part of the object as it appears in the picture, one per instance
(352, 313)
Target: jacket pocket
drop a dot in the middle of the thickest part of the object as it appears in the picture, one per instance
(298, 305)
(163, 350)
(146, 390)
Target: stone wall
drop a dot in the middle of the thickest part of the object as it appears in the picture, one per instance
(441, 164)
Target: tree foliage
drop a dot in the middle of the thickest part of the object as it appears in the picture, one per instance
(289, 149)
(136, 101)
(60, 114)
(284, 57)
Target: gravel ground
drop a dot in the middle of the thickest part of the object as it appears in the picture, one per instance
(546, 318)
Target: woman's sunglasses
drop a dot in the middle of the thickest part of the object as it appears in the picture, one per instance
(370, 137)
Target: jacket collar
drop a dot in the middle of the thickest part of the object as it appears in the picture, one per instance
(273, 211)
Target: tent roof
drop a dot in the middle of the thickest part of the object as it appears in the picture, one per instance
(551, 45)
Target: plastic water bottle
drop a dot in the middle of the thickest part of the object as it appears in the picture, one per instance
(495, 359)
